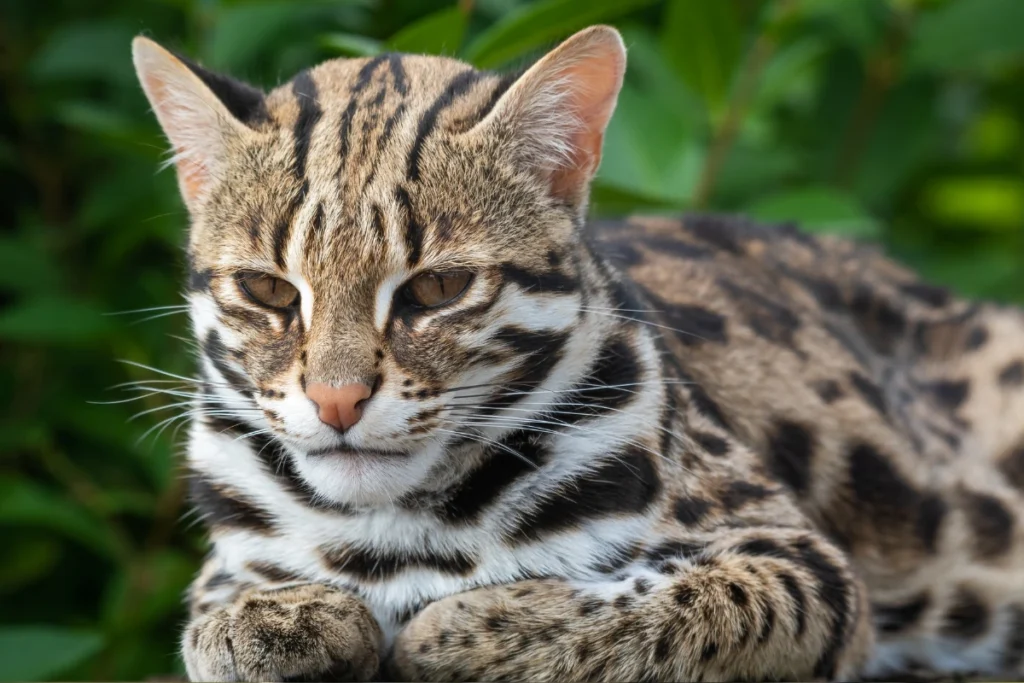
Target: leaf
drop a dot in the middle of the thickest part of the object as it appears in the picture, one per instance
(26, 503)
(701, 41)
(539, 24)
(150, 590)
(35, 653)
(87, 50)
(968, 35)
(817, 209)
(53, 320)
(350, 45)
(439, 33)
(25, 266)
(982, 203)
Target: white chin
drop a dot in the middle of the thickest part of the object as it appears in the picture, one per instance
(364, 480)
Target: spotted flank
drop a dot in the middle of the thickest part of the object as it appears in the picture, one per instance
(446, 428)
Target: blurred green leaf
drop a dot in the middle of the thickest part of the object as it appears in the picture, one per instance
(349, 45)
(53, 320)
(87, 50)
(25, 265)
(992, 203)
(25, 503)
(27, 559)
(36, 653)
(150, 589)
(968, 35)
(701, 40)
(818, 209)
(536, 25)
(440, 33)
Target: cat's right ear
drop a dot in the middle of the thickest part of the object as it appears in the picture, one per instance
(203, 114)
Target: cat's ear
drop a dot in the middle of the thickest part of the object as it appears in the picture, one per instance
(202, 113)
(559, 109)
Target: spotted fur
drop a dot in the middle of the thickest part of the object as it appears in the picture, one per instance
(653, 449)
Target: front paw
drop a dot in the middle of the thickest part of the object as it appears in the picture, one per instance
(309, 632)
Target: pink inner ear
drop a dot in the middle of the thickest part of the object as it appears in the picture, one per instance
(594, 81)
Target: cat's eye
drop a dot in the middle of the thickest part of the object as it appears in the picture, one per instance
(430, 290)
(269, 290)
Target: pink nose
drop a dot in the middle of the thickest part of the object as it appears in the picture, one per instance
(341, 408)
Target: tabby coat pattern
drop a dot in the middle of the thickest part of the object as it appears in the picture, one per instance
(696, 449)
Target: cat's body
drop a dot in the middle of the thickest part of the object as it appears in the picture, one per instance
(657, 449)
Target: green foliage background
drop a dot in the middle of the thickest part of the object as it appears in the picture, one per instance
(898, 121)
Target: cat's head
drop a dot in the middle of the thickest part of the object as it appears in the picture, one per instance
(386, 253)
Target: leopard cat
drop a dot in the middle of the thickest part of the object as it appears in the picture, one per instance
(445, 429)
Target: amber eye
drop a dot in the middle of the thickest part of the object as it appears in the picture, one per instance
(436, 289)
(269, 290)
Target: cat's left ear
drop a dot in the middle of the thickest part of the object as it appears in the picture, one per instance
(559, 109)
(202, 113)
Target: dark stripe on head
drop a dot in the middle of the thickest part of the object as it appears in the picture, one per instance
(790, 449)
(540, 353)
(534, 282)
(413, 229)
(221, 506)
(516, 456)
(377, 220)
(458, 86)
(626, 484)
(214, 349)
(198, 280)
(306, 96)
(401, 81)
(315, 234)
(246, 103)
(375, 564)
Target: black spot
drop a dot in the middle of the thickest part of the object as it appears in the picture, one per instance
(950, 394)
(401, 82)
(764, 547)
(768, 626)
(625, 484)
(459, 85)
(767, 318)
(870, 392)
(376, 564)
(1012, 375)
(976, 338)
(1012, 467)
(991, 523)
(930, 513)
(272, 572)
(590, 605)
(691, 510)
(663, 647)
(695, 325)
(499, 470)
(709, 651)
(935, 297)
(900, 617)
(738, 595)
(307, 98)
(833, 593)
(674, 550)
(623, 602)
(684, 594)
(198, 279)
(538, 283)
(608, 387)
(715, 445)
(967, 617)
(1013, 650)
(719, 231)
(829, 390)
(703, 402)
(221, 506)
(246, 103)
(790, 449)
(796, 595)
(736, 494)
(641, 586)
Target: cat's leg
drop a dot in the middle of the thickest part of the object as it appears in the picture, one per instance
(753, 604)
(272, 632)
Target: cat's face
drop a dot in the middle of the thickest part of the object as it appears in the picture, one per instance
(385, 253)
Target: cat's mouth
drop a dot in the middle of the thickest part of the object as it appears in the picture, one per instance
(342, 452)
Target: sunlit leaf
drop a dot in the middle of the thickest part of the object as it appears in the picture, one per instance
(817, 209)
(982, 203)
(440, 33)
(349, 45)
(539, 24)
(36, 653)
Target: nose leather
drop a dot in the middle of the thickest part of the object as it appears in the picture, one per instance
(339, 406)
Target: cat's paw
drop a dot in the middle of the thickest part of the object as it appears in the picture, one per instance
(308, 632)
